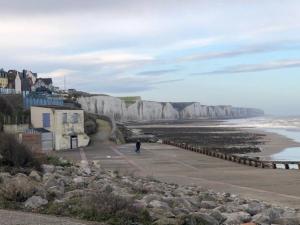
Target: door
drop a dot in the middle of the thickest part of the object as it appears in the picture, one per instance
(47, 141)
(74, 142)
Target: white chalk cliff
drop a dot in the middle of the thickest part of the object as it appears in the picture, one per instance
(148, 110)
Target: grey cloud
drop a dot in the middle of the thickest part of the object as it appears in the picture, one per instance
(167, 81)
(157, 72)
(52, 6)
(248, 68)
(70, 6)
(242, 51)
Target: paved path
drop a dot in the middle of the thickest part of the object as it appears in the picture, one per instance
(21, 218)
(175, 165)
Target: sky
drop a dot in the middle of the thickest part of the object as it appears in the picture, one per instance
(231, 52)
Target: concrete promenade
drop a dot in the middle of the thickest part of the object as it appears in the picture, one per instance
(171, 164)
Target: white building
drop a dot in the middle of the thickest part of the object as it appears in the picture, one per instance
(66, 124)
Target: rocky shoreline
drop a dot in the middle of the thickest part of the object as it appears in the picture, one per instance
(92, 193)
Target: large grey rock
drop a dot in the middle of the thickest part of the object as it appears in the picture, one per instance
(261, 219)
(35, 175)
(17, 188)
(48, 168)
(208, 204)
(198, 219)
(268, 216)
(150, 197)
(166, 221)
(237, 218)
(253, 208)
(35, 202)
(287, 221)
(217, 215)
(158, 204)
(79, 182)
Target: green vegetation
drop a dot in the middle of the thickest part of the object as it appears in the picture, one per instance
(90, 123)
(56, 161)
(129, 100)
(102, 206)
(14, 155)
(12, 111)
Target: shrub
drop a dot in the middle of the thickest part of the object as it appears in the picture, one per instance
(14, 154)
(56, 161)
(6, 107)
(90, 127)
(103, 207)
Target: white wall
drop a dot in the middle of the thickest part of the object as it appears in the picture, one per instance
(61, 131)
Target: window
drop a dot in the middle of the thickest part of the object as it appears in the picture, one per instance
(75, 117)
(46, 120)
(65, 118)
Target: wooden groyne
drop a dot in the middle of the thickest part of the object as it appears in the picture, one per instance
(255, 162)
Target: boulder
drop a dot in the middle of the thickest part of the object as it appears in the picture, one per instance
(79, 182)
(35, 202)
(56, 192)
(287, 221)
(208, 204)
(207, 196)
(54, 180)
(253, 208)
(35, 175)
(158, 204)
(17, 188)
(48, 168)
(268, 216)
(237, 218)
(217, 215)
(261, 219)
(166, 221)
(198, 219)
(148, 198)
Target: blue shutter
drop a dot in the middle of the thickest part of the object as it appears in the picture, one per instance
(46, 120)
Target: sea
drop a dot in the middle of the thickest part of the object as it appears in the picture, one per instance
(286, 126)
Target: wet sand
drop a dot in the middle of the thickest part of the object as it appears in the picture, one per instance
(235, 140)
(273, 143)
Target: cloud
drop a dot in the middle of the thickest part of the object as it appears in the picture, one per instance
(193, 43)
(58, 73)
(230, 54)
(93, 58)
(157, 72)
(167, 81)
(248, 68)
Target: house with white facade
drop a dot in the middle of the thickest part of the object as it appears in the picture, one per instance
(21, 81)
(65, 123)
(43, 85)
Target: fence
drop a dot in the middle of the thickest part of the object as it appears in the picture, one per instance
(15, 128)
(7, 91)
(255, 162)
(29, 101)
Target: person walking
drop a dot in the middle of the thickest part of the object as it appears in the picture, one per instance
(138, 146)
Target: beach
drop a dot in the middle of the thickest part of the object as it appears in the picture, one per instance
(224, 137)
(273, 143)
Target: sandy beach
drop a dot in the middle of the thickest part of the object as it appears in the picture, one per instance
(273, 143)
(208, 133)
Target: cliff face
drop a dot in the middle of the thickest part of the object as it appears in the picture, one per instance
(149, 111)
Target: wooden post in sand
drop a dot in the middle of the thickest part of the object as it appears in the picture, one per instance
(287, 166)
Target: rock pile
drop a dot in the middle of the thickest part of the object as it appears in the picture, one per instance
(56, 189)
